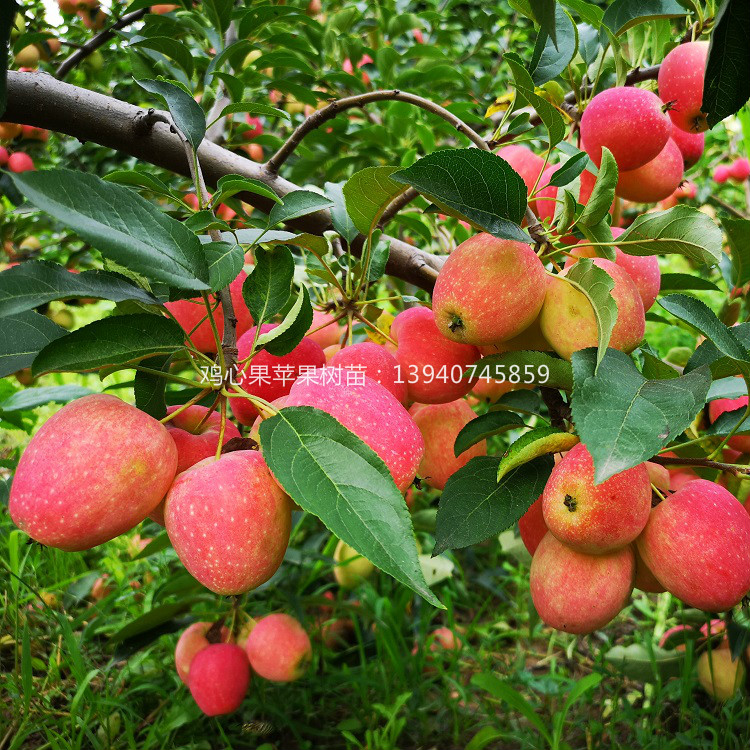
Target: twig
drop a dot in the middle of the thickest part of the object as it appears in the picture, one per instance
(559, 411)
(397, 204)
(97, 41)
(536, 230)
(727, 207)
(322, 116)
(706, 463)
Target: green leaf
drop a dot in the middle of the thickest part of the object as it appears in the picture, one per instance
(368, 193)
(545, 14)
(603, 193)
(570, 170)
(596, 284)
(150, 390)
(267, 288)
(535, 367)
(698, 315)
(624, 419)
(730, 421)
(622, 15)
(726, 86)
(30, 398)
(484, 426)
(504, 692)
(254, 109)
(136, 178)
(474, 183)
(332, 474)
(231, 184)
(525, 89)
(551, 56)
(225, 261)
(646, 664)
(297, 203)
(722, 388)
(683, 230)
(282, 339)
(341, 220)
(538, 442)
(475, 507)
(32, 283)
(678, 282)
(186, 112)
(22, 337)
(152, 619)
(588, 12)
(120, 224)
(171, 48)
(119, 340)
(158, 544)
(721, 365)
(738, 235)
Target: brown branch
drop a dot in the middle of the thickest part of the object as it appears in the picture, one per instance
(702, 462)
(558, 410)
(322, 116)
(727, 207)
(41, 100)
(97, 41)
(397, 204)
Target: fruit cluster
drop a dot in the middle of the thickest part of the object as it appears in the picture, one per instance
(591, 544)
(737, 171)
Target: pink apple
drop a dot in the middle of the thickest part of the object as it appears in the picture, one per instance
(219, 678)
(532, 526)
(681, 85)
(690, 144)
(655, 180)
(376, 362)
(191, 642)
(325, 330)
(278, 648)
(718, 407)
(525, 162)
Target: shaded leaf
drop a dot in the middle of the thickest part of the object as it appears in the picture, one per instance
(484, 426)
(186, 112)
(266, 290)
(22, 337)
(533, 444)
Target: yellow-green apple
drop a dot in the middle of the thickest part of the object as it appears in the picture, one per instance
(532, 526)
(697, 544)
(376, 362)
(658, 475)
(488, 290)
(595, 518)
(568, 321)
(718, 407)
(93, 471)
(576, 592)
(440, 425)
(279, 648)
(690, 144)
(531, 339)
(718, 675)
(28, 57)
(432, 365)
(655, 180)
(219, 678)
(192, 641)
(645, 580)
(268, 376)
(644, 270)
(371, 412)
(351, 567)
(681, 85)
(190, 312)
(229, 521)
(629, 121)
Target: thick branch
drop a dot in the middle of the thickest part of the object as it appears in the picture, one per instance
(38, 99)
(321, 116)
(97, 41)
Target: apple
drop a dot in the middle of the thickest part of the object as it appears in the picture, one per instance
(279, 648)
(629, 122)
(659, 476)
(721, 173)
(681, 85)
(93, 471)
(544, 205)
(4, 156)
(371, 412)
(654, 181)
(10, 130)
(20, 162)
(28, 57)
(690, 144)
(229, 521)
(219, 678)
(351, 567)
(164, 8)
(719, 675)
(347, 67)
(568, 321)
(325, 330)
(739, 170)
(576, 592)
(189, 313)
(255, 129)
(530, 339)
(645, 580)
(33, 133)
(644, 270)
(440, 425)
(191, 642)
(532, 526)
(376, 362)
(268, 376)
(444, 639)
(486, 268)
(101, 588)
(525, 162)
(595, 518)
(697, 544)
(432, 365)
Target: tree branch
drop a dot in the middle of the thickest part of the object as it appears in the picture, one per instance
(322, 116)
(397, 204)
(705, 463)
(97, 41)
(39, 99)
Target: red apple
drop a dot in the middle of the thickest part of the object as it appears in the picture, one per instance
(681, 85)
(219, 678)
(191, 642)
(279, 648)
(376, 362)
(656, 180)
(532, 526)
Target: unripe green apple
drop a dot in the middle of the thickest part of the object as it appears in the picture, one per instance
(719, 676)
(351, 568)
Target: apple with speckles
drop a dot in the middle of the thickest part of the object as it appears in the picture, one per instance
(192, 641)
